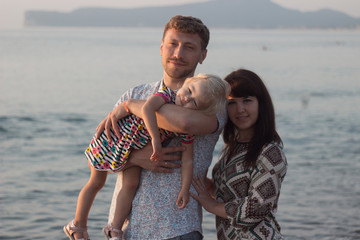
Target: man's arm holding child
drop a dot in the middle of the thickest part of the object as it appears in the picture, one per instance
(170, 117)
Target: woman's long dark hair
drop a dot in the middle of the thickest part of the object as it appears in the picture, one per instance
(245, 83)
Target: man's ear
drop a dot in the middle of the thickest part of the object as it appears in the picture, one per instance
(161, 47)
(203, 56)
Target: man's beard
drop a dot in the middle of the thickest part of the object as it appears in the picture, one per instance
(176, 74)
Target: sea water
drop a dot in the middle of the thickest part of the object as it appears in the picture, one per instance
(57, 84)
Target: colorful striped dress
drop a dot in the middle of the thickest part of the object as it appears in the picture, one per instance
(112, 156)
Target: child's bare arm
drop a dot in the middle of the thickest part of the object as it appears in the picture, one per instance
(171, 117)
(179, 119)
(149, 117)
(187, 165)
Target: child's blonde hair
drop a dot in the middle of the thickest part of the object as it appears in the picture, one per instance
(217, 89)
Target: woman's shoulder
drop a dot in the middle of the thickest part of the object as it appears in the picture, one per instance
(273, 146)
(272, 154)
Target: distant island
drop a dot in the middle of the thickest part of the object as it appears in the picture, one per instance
(254, 14)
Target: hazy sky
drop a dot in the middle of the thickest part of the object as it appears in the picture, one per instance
(12, 11)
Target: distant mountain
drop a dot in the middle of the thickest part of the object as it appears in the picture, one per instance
(215, 13)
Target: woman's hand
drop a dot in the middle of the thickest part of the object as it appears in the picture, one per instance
(210, 187)
(205, 199)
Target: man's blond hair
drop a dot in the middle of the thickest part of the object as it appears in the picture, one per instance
(188, 24)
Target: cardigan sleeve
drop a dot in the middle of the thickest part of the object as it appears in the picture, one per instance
(264, 189)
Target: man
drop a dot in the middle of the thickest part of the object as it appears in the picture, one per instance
(154, 213)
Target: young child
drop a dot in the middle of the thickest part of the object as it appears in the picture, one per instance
(204, 92)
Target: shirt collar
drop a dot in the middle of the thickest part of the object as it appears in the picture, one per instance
(162, 84)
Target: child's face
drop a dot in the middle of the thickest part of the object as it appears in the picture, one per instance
(193, 95)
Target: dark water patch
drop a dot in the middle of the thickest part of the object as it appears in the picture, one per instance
(355, 233)
(12, 237)
(80, 151)
(37, 156)
(43, 220)
(3, 130)
(26, 119)
(15, 218)
(56, 228)
(45, 118)
(335, 93)
(3, 118)
(297, 140)
(351, 128)
(74, 119)
(306, 95)
(304, 164)
(43, 130)
(70, 193)
(38, 191)
(18, 118)
(25, 128)
(30, 196)
(301, 227)
(48, 176)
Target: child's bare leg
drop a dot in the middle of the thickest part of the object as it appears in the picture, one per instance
(86, 198)
(130, 182)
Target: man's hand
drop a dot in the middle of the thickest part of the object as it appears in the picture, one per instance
(164, 164)
(110, 122)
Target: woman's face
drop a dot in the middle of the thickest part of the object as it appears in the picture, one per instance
(243, 112)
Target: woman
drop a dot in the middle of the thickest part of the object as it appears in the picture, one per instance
(252, 166)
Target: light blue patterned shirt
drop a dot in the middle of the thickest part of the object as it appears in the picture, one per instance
(154, 213)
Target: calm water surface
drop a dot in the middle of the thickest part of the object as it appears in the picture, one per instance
(56, 85)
